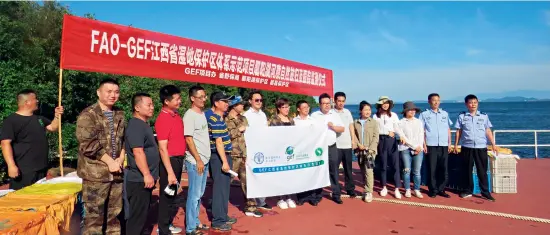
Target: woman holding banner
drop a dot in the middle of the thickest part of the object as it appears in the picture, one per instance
(282, 119)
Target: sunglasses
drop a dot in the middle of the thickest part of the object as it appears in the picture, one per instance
(258, 100)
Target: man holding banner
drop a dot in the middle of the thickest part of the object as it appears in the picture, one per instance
(24, 141)
(100, 132)
(257, 118)
(335, 125)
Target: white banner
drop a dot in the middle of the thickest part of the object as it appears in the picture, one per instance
(285, 160)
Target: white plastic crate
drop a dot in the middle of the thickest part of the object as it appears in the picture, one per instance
(504, 183)
(503, 165)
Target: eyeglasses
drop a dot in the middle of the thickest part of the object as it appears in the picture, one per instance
(259, 100)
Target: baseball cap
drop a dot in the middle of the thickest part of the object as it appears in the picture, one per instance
(234, 100)
(218, 96)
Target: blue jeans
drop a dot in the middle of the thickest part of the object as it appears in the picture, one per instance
(416, 162)
(197, 184)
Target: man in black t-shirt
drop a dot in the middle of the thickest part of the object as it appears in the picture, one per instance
(143, 164)
(24, 142)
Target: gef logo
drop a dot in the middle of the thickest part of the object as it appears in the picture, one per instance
(289, 153)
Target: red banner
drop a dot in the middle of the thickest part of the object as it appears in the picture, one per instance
(95, 46)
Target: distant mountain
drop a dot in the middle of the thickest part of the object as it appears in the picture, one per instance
(425, 101)
(514, 99)
(535, 94)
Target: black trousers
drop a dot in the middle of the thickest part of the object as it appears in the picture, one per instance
(479, 157)
(316, 195)
(333, 169)
(167, 203)
(27, 179)
(220, 189)
(312, 196)
(346, 156)
(139, 199)
(387, 150)
(438, 175)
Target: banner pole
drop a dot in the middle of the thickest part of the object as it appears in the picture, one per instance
(59, 127)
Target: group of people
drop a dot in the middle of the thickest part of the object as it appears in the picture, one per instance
(212, 139)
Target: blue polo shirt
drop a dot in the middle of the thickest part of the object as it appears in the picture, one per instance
(473, 129)
(217, 129)
(436, 125)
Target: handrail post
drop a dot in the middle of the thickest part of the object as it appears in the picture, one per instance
(495, 137)
(536, 147)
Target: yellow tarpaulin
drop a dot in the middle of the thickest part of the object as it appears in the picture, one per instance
(35, 223)
(50, 189)
(58, 208)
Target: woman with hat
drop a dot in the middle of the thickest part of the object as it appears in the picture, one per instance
(388, 126)
(282, 118)
(411, 147)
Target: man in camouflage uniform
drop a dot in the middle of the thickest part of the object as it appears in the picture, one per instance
(100, 132)
(236, 125)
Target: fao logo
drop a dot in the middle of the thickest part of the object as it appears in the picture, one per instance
(259, 158)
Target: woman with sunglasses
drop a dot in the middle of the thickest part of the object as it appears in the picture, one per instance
(282, 119)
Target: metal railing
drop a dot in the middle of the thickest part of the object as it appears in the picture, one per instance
(536, 145)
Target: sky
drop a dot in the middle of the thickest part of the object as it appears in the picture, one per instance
(404, 50)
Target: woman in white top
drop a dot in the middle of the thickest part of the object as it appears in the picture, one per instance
(411, 147)
(387, 145)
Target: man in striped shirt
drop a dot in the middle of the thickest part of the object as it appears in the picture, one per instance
(220, 163)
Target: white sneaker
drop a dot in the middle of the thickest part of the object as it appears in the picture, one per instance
(173, 229)
(291, 203)
(408, 193)
(369, 197)
(397, 194)
(282, 204)
(384, 192)
(418, 194)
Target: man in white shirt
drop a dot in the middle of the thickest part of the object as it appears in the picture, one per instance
(344, 142)
(257, 118)
(303, 118)
(335, 125)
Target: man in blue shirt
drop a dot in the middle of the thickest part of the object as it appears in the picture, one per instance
(220, 163)
(437, 129)
(474, 132)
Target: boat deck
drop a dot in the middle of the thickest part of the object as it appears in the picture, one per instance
(358, 217)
